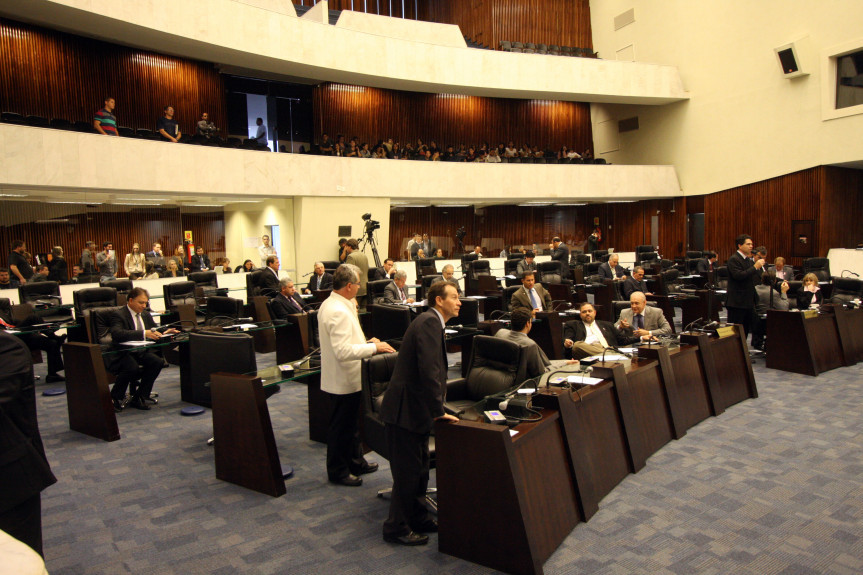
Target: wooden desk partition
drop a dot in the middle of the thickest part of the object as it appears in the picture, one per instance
(850, 326)
(727, 367)
(265, 340)
(245, 447)
(803, 345)
(595, 439)
(88, 398)
(504, 502)
(548, 333)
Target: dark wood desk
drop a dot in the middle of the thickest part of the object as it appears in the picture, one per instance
(803, 345)
(699, 308)
(595, 439)
(547, 332)
(727, 367)
(88, 399)
(506, 502)
(850, 325)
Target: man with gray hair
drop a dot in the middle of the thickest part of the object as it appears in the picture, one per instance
(321, 280)
(343, 346)
(612, 269)
(448, 275)
(395, 292)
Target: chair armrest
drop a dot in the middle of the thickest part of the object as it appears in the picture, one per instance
(456, 388)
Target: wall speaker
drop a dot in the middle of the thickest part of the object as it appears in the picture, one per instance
(794, 58)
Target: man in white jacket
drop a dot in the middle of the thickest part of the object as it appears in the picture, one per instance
(343, 346)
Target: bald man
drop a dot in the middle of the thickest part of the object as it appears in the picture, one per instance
(640, 320)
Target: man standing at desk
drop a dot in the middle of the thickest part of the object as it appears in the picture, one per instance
(413, 401)
(743, 275)
(343, 346)
(358, 259)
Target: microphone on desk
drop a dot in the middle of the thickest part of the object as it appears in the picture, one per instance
(693, 324)
(308, 274)
(180, 322)
(512, 393)
(856, 275)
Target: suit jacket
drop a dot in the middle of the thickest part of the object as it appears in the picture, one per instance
(780, 300)
(654, 321)
(60, 271)
(605, 271)
(123, 325)
(36, 278)
(200, 263)
(457, 286)
(325, 282)
(537, 361)
(522, 299)
(805, 298)
(282, 308)
(702, 266)
(360, 260)
(524, 266)
(417, 387)
(561, 254)
(24, 469)
(631, 285)
(268, 281)
(787, 270)
(391, 293)
(159, 261)
(575, 331)
(343, 345)
(742, 279)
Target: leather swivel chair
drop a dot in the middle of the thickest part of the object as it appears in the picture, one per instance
(495, 366)
(427, 281)
(597, 255)
(331, 266)
(375, 290)
(424, 266)
(510, 268)
(818, 266)
(253, 287)
(48, 292)
(389, 322)
(88, 298)
(122, 285)
(178, 293)
(208, 282)
(646, 258)
(213, 352)
(846, 290)
(549, 272)
(223, 310)
(468, 314)
(515, 256)
(376, 374)
(507, 295)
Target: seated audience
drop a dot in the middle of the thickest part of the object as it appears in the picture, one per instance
(321, 279)
(395, 292)
(173, 271)
(247, 267)
(531, 296)
(40, 274)
(439, 254)
(179, 257)
(5, 282)
(809, 294)
(76, 275)
(200, 261)
(150, 272)
(134, 323)
(206, 128)
(588, 336)
(537, 362)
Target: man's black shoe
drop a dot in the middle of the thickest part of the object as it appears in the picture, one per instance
(429, 526)
(411, 539)
(350, 480)
(138, 403)
(367, 468)
(118, 405)
(54, 378)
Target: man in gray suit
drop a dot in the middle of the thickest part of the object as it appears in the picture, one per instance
(526, 264)
(537, 362)
(642, 321)
(395, 291)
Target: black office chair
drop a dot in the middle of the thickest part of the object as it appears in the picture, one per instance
(423, 266)
(845, 290)
(208, 282)
(550, 273)
(253, 288)
(375, 290)
(47, 293)
(389, 322)
(818, 266)
(427, 281)
(646, 258)
(87, 298)
(123, 287)
(507, 295)
(597, 255)
(495, 366)
(213, 352)
(468, 314)
(176, 294)
(223, 310)
(331, 266)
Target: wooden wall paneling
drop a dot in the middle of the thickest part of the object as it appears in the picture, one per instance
(57, 75)
(373, 115)
(841, 209)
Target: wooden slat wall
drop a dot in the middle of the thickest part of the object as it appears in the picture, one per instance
(561, 22)
(374, 114)
(123, 228)
(839, 222)
(56, 75)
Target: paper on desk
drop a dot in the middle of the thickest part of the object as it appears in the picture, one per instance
(627, 349)
(450, 331)
(589, 380)
(137, 343)
(246, 325)
(721, 291)
(512, 432)
(475, 297)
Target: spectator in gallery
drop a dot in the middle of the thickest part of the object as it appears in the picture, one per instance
(265, 250)
(206, 128)
(76, 272)
(40, 274)
(134, 263)
(59, 269)
(439, 254)
(105, 122)
(4, 279)
(326, 145)
(150, 272)
(167, 126)
(247, 267)
(172, 271)
(106, 262)
(261, 133)
(200, 261)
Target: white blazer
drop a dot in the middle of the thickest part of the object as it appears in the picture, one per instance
(343, 345)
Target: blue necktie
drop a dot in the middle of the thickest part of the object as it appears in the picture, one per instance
(533, 301)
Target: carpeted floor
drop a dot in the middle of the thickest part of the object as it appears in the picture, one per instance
(773, 485)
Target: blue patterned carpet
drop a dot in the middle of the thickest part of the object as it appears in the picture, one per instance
(772, 486)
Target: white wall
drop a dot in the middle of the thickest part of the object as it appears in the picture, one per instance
(744, 122)
(247, 220)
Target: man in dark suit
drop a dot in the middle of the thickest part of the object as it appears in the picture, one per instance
(532, 296)
(588, 336)
(706, 264)
(428, 246)
(268, 281)
(134, 323)
(743, 275)
(386, 271)
(612, 269)
(24, 469)
(413, 401)
(288, 301)
(156, 256)
(526, 264)
(635, 283)
(537, 362)
(200, 261)
(42, 340)
(321, 280)
(560, 253)
(448, 275)
(395, 291)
